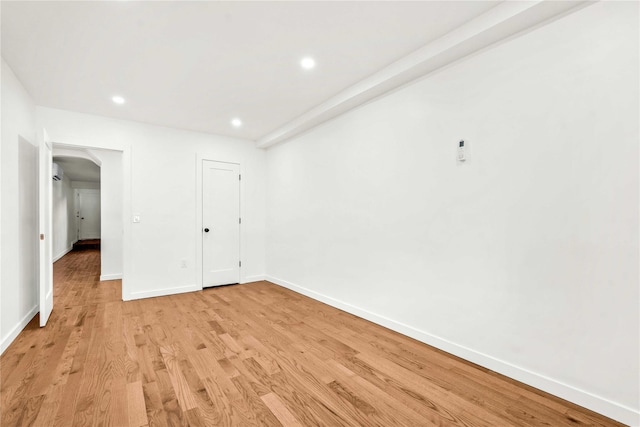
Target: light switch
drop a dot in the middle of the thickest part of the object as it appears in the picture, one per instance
(136, 218)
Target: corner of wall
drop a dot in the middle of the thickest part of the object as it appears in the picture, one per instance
(13, 333)
(542, 382)
(62, 253)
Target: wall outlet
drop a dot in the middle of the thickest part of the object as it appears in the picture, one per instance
(183, 263)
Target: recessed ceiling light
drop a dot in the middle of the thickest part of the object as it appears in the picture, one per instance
(236, 122)
(118, 99)
(308, 63)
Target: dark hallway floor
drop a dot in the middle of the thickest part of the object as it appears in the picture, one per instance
(81, 245)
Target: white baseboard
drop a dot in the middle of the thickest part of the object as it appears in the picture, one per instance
(573, 394)
(63, 253)
(161, 292)
(90, 237)
(13, 333)
(256, 278)
(116, 276)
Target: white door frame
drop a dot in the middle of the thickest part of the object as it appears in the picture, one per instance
(82, 144)
(199, 225)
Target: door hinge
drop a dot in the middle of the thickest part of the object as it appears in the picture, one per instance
(239, 177)
(239, 263)
(239, 220)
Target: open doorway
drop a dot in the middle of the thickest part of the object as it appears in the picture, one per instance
(95, 178)
(111, 178)
(75, 204)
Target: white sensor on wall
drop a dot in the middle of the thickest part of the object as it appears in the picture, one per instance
(461, 155)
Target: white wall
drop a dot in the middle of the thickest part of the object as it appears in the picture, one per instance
(18, 294)
(159, 183)
(524, 260)
(63, 217)
(111, 213)
(87, 185)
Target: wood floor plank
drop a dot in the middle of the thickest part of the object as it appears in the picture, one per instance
(153, 404)
(280, 410)
(47, 414)
(118, 410)
(136, 405)
(171, 355)
(173, 412)
(209, 413)
(66, 408)
(30, 410)
(244, 355)
(253, 406)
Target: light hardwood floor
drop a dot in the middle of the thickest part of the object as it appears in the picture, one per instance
(254, 354)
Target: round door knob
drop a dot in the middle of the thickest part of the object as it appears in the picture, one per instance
(206, 230)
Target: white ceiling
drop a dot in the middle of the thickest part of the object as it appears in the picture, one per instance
(196, 65)
(77, 169)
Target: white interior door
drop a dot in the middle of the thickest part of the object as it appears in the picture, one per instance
(45, 278)
(88, 212)
(220, 223)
